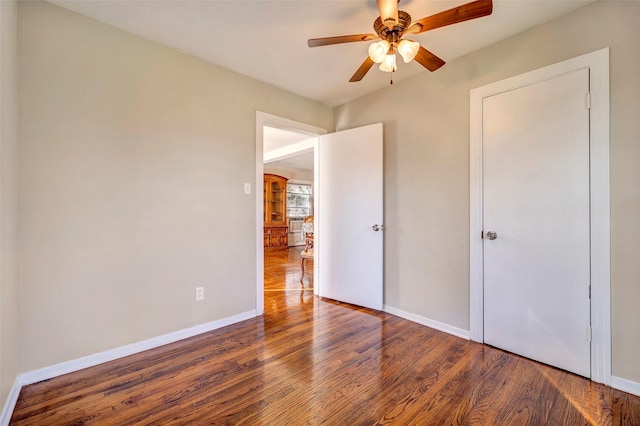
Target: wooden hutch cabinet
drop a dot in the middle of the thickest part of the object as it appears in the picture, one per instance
(275, 209)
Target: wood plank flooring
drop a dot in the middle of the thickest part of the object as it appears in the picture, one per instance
(312, 361)
(282, 270)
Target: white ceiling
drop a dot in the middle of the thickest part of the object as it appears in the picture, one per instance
(300, 161)
(275, 138)
(267, 39)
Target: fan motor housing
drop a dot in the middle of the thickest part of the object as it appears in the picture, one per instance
(404, 20)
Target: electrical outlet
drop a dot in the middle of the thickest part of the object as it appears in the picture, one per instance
(199, 293)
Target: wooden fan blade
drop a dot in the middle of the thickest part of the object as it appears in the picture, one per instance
(388, 12)
(473, 10)
(364, 68)
(428, 59)
(325, 41)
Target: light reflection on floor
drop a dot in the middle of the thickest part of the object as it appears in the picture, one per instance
(282, 270)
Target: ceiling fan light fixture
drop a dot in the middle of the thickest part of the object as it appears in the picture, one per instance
(378, 51)
(389, 63)
(393, 24)
(408, 49)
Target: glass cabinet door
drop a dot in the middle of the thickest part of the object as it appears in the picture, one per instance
(275, 208)
(277, 202)
(265, 199)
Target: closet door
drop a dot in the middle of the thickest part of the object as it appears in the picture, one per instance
(537, 221)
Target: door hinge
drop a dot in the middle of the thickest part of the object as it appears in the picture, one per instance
(589, 291)
(588, 333)
(588, 100)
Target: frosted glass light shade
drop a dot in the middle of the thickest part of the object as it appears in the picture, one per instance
(408, 49)
(389, 63)
(378, 51)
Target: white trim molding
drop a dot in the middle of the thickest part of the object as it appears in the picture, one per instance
(289, 151)
(437, 325)
(10, 403)
(56, 370)
(625, 385)
(264, 119)
(598, 64)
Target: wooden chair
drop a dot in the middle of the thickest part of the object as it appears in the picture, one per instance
(309, 242)
(307, 230)
(304, 256)
(307, 253)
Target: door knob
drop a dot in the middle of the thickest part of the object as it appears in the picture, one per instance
(376, 227)
(492, 235)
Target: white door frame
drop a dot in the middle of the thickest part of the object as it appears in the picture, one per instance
(598, 64)
(262, 119)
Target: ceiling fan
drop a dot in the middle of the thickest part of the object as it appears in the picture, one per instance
(393, 24)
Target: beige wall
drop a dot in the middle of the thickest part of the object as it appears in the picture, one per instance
(8, 198)
(427, 161)
(132, 163)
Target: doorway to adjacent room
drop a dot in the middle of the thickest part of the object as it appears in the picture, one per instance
(287, 212)
(285, 154)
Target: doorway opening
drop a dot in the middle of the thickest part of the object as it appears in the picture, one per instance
(288, 149)
(288, 215)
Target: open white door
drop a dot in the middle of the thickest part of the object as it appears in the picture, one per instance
(349, 237)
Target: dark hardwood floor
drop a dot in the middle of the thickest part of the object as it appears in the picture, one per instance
(312, 361)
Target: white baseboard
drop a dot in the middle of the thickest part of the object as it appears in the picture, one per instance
(625, 385)
(106, 356)
(458, 332)
(56, 370)
(10, 403)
